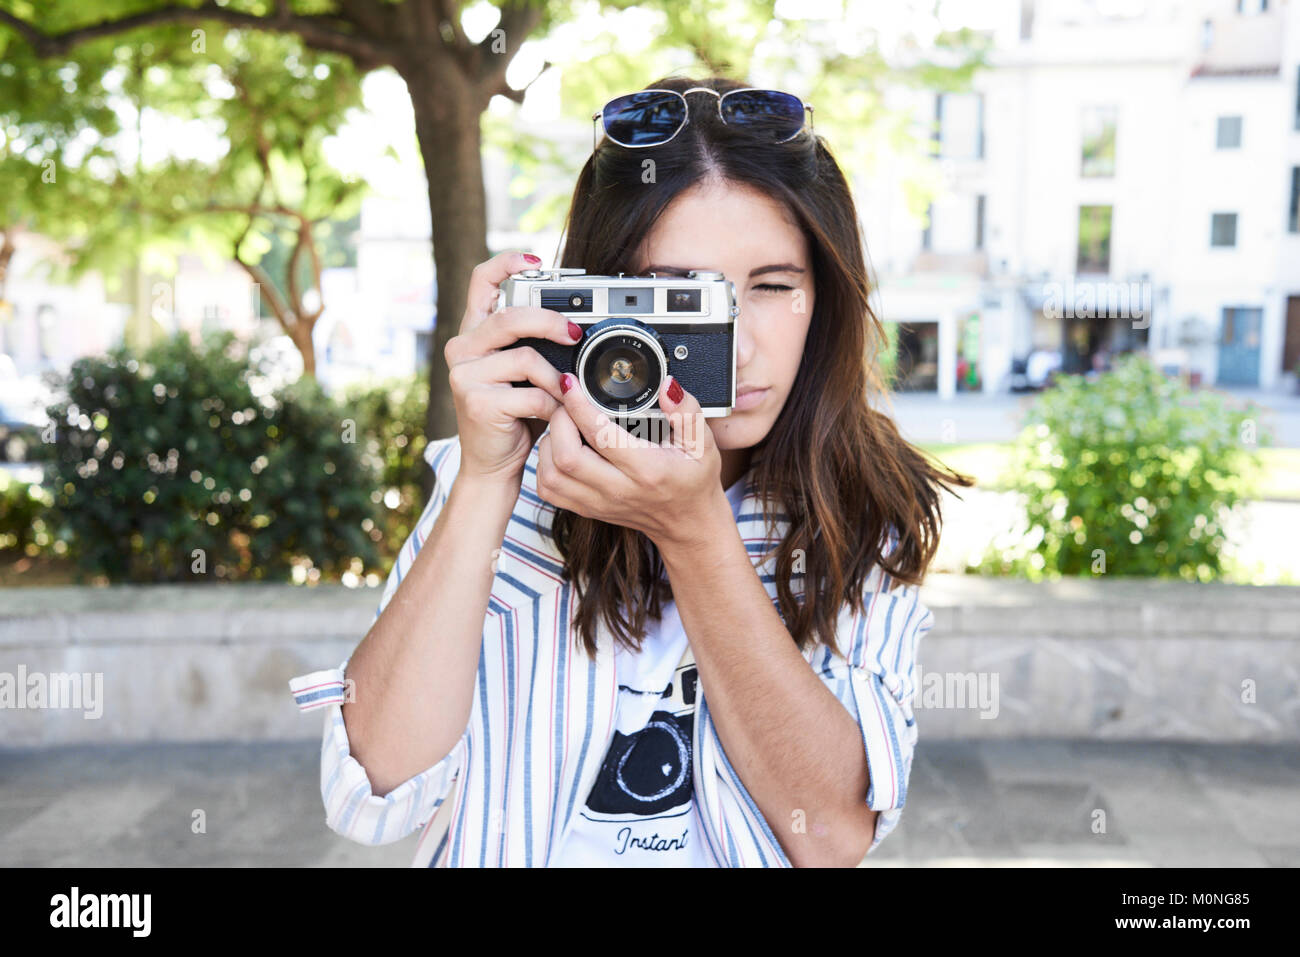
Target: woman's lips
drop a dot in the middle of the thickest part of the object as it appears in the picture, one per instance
(750, 399)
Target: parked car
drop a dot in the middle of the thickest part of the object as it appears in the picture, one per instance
(1035, 371)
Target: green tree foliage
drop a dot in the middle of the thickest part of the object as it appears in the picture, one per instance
(1130, 474)
(54, 119)
(452, 78)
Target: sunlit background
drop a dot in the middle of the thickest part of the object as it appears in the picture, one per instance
(219, 306)
(1044, 187)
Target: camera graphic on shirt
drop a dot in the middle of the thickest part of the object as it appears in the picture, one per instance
(638, 330)
(650, 771)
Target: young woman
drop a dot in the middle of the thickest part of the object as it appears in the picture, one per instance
(601, 650)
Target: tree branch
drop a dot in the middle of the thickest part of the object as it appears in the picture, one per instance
(518, 18)
(322, 31)
(264, 284)
(449, 14)
(307, 239)
(295, 288)
(510, 93)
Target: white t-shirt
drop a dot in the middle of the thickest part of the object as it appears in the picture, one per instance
(641, 812)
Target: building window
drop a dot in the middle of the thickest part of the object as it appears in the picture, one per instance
(960, 125)
(1293, 219)
(979, 221)
(1227, 135)
(1094, 239)
(928, 233)
(1098, 128)
(211, 318)
(1223, 229)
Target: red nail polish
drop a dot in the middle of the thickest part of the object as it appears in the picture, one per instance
(675, 393)
(575, 331)
(532, 259)
(566, 383)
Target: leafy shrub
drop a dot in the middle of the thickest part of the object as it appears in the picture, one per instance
(179, 465)
(22, 516)
(1129, 474)
(389, 419)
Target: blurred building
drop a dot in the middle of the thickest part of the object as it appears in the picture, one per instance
(1124, 176)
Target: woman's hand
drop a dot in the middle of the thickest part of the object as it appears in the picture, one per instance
(672, 492)
(482, 361)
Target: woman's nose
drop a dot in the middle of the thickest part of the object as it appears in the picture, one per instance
(745, 345)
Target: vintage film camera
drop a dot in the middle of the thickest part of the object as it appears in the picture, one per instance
(636, 331)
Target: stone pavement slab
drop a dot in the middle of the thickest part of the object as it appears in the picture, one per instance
(970, 803)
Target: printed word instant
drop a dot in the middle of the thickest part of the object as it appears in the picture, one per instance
(102, 910)
(652, 843)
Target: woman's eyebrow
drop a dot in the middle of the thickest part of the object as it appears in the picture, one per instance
(761, 270)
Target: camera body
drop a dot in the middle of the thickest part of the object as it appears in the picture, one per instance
(637, 330)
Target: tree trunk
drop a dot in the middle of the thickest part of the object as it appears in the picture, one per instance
(447, 110)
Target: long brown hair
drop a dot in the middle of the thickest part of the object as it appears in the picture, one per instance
(845, 479)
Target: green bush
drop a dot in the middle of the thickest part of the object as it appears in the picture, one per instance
(178, 466)
(1129, 474)
(22, 516)
(389, 418)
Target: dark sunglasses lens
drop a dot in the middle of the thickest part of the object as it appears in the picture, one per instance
(770, 112)
(643, 119)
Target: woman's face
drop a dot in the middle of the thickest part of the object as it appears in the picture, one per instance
(751, 240)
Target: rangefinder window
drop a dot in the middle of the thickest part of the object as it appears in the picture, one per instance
(632, 300)
(683, 300)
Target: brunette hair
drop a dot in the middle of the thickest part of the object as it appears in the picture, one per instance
(839, 470)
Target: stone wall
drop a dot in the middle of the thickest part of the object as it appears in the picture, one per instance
(1100, 659)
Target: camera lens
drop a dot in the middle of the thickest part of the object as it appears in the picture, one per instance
(622, 368)
(621, 372)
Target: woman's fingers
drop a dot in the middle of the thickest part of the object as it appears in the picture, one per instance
(502, 329)
(582, 462)
(689, 429)
(507, 366)
(527, 404)
(484, 281)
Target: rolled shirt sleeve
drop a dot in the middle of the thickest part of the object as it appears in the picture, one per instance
(875, 683)
(352, 809)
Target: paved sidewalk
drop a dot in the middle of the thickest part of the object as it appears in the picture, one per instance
(969, 804)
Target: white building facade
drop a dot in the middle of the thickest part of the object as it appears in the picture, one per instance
(1124, 176)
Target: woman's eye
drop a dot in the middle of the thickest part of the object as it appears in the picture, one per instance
(773, 287)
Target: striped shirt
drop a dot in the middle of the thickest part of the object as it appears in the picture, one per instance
(542, 716)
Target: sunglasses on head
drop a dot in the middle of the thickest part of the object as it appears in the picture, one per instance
(653, 117)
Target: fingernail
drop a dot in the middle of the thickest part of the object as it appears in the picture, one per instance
(532, 259)
(566, 383)
(675, 392)
(575, 331)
